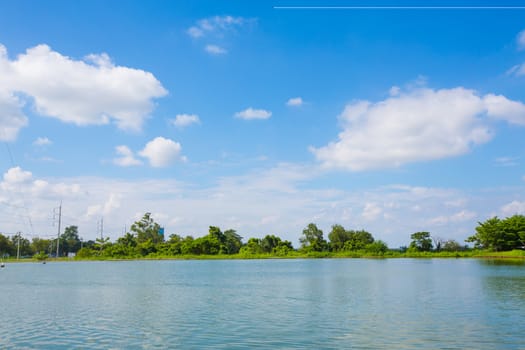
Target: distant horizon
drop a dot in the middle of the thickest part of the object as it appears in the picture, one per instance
(261, 116)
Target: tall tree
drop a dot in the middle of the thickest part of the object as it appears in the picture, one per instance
(496, 234)
(146, 228)
(338, 237)
(6, 246)
(128, 240)
(40, 245)
(69, 240)
(21, 245)
(358, 240)
(232, 241)
(421, 241)
(312, 239)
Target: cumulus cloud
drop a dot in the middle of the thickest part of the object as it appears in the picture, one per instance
(126, 157)
(93, 91)
(500, 107)
(461, 216)
(264, 200)
(371, 211)
(16, 176)
(215, 25)
(162, 152)
(251, 113)
(520, 40)
(184, 120)
(215, 50)
(19, 181)
(217, 28)
(112, 203)
(512, 208)
(295, 102)
(418, 125)
(11, 117)
(42, 141)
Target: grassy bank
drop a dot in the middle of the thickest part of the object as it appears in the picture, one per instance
(390, 254)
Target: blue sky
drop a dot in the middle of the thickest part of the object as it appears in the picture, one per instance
(243, 115)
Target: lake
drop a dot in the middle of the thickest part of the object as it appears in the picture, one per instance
(264, 304)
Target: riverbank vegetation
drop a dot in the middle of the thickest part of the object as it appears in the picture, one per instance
(145, 240)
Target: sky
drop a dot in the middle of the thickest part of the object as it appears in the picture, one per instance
(261, 116)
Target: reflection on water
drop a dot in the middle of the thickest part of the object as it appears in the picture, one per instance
(503, 262)
(284, 304)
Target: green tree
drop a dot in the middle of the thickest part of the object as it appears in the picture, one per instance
(499, 235)
(233, 241)
(21, 245)
(252, 247)
(451, 246)
(338, 237)
(208, 245)
(269, 243)
(283, 248)
(358, 240)
(514, 228)
(187, 246)
(101, 243)
(377, 247)
(6, 247)
(147, 229)
(215, 235)
(128, 240)
(40, 245)
(69, 240)
(312, 239)
(421, 241)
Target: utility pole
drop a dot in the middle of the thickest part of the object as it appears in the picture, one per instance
(59, 221)
(18, 247)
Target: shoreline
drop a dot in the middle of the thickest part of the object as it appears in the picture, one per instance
(510, 255)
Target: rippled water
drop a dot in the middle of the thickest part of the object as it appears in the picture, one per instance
(271, 304)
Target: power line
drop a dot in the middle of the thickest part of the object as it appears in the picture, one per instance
(11, 159)
(399, 7)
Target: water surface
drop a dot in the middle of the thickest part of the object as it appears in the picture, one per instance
(265, 304)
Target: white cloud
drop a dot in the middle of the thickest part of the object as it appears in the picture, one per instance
(274, 200)
(16, 176)
(517, 70)
(112, 203)
(92, 91)
(19, 182)
(500, 107)
(162, 152)
(295, 102)
(183, 120)
(512, 208)
(419, 125)
(126, 157)
(507, 161)
(11, 117)
(520, 40)
(215, 50)
(371, 211)
(250, 113)
(42, 141)
(454, 218)
(215, 25)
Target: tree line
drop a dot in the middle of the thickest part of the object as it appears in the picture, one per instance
(146, 239)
